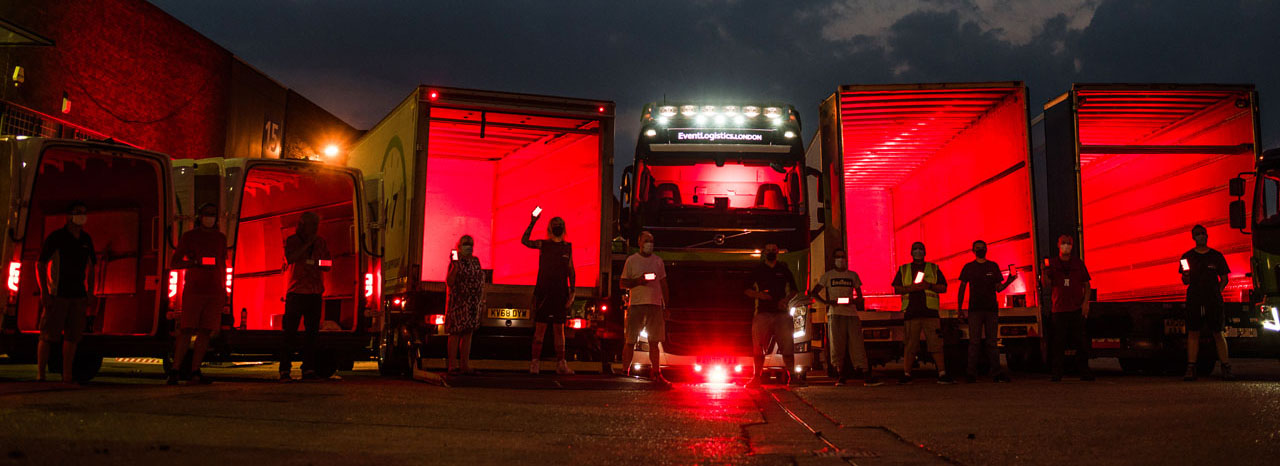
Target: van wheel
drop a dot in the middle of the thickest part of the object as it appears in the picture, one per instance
(326, 364)
(84, 368)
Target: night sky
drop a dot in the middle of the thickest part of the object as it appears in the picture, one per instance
(358, 59)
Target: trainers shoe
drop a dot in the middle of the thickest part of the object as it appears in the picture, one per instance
(946, 380)
(904, 380)
(1226, 372)
(1191, 373)
(872, 381)
(1001, 378)
(535, 367)
(970, 379)
(562, 368)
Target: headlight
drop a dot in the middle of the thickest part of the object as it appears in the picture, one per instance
(667, 110)
(650, 132)
(688, 110)
(789, 135)
(700, 120)
(664, 120)
(772, 112)
(751, 111)
(708, 109)
(739, 120)
(729, 109)
(720, 120)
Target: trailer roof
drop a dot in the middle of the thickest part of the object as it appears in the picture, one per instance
(890, 130)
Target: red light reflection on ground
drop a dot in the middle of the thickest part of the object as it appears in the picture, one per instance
(716, 403)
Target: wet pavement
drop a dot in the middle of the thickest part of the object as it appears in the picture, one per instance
(127, 416)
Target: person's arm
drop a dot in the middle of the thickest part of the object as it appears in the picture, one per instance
(42, 267)
(451, 277)
(295, 250)
(791, 290)
(941, 286)
(1084, 308)
(1185, 273)
(322, 253)
(628, 279)
(528, 231)
(180, 254)
(818, 293)
(90, 274)
(859, 301)
(573, 279)
(1226, 274)
(1046, 275)
(960, 294)
(898, 287)
(1008, 281)
(666, 293)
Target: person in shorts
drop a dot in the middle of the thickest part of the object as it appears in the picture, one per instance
(840, 289)
(773, 286)
(202, 254)
(1204, 270)
(646, 276)
(553, 291)
(66, 275)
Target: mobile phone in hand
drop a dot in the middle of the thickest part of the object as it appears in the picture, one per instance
(454, 254)
(1186, 266)
(1013, 271)
(919, 278)
(650, 276)
(537, 211)
(842, 300)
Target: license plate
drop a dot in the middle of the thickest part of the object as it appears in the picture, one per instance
(1234, 332)
(711, 361)
(508, 313)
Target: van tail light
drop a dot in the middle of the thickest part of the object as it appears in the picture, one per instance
(324, 263)
(436, 319)
(231, 273)
(15, 276)
(368, 286)
(577, 323)
(173, 284)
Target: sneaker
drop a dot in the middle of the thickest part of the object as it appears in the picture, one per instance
(1191, 373)
(1226, 372)
(946, 380)
(173, 378)
(285, 378)
(535, 367)
(1001, 378)
(904, 380)
(872, 381)
(562, 368)
(970, 379)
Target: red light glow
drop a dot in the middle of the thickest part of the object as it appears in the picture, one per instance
(368, 285)
(744, 187)
(577, 324)
(718, 375)
(600, 109)
(697, 367)
(433, 95)
(604, 308)
(208, 261)
(436, 319)
(173, 284)
(15, 276)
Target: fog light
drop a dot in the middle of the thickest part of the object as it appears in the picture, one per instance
(789, 135)
(650, 132)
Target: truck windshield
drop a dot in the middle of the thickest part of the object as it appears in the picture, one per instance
(748, 186)
(1267, 208)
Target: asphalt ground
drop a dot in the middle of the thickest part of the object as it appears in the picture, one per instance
(506, 416)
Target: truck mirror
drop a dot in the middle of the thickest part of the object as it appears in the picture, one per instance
(1236, 187)
(1237, 214)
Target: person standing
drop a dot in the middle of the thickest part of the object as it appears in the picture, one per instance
(307, 257)
(66, 274)
(646, 276)
(1068, 278)
(982, 277)
(553, 292)
(772, 288)
(464, 302)
(920, 283)
(1205, 272)
(840, 289)
(202, 253)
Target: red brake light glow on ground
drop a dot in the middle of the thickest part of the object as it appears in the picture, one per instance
(15, 275)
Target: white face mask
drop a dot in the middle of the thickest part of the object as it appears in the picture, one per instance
(842, 263)
(79, 219)
(208, 221)
(647, 248)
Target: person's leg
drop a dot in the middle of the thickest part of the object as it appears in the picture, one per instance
(451, 352)
(1193, 346)
(558, 332)
(657, 325)
(539, 330)
(1086, 345)
(838, 335)
(784, 334)
(933, 338)
(632, 324)
(1058, 343)
(292, 316)
(181, 343)
(990, 337)
(911, 344)
(43, 348)
(1220, 341)
(975, 322)
(52, 322)
(857, 347)
(311, 322)
(759, 338)
(76, 310)
(465, 350)
(68, 359)
(200, 347)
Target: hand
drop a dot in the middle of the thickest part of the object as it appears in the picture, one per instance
(1084, 311)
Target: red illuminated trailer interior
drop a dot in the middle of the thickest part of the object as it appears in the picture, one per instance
(485, 178)
(124, 196)
(274, 200)
(1153, 163)
(941, 164)
(700, 185)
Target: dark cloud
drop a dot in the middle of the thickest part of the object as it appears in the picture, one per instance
(360, 58)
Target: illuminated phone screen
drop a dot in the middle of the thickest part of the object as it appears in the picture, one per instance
(650, 276)
(537, 211)
(919, 277)
(842, 300)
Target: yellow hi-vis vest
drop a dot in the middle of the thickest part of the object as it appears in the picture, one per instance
(930, 276)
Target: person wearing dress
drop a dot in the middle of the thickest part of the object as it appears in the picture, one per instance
(465, 299)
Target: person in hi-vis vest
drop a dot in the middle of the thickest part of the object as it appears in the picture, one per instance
(920, 283)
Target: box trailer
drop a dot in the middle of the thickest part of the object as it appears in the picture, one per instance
(260, 202)
(129, 196)
(1128, 169)
(945, 164)
(449, 162)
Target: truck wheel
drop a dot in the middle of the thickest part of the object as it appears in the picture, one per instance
(326, 363)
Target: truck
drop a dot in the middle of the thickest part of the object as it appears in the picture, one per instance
(449, 161)
(1128, 169)
(260, 202)
(129, 196)
(941, 163)
(714, 183)
(1263, 316)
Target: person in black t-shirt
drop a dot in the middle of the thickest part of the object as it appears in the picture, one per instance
(1204, 270)
(66, 289)
(983, 278)
(553, 291)
(773, 287)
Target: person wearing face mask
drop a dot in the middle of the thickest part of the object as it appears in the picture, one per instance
(773, 286)
(66, 289)
(983, 278)
(307, 257)
(553, 292)
(1068, 278)
(1205, 274)
(840, 289)
(920, 283)
(646, 276)
(202, 254)
(463, 302)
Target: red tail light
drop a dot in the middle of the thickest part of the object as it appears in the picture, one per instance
(436, 319)
(604, 308)
(368, 285)
(15, 276)
(324, 263)
(173, 284)
(577, 323)
(231, 272)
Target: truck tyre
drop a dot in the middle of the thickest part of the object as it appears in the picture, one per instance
(390, 354)
(326, 363)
